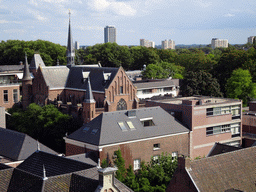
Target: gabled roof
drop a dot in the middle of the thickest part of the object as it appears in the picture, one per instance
(75, 78)
(18, 146)
(55, 77)
(108, 130)
(54, 165)
(233, 170)
(88, 158)
(220, 148)
(36, 61)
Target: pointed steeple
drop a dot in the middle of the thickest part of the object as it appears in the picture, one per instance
(26, 73)
(70, 47)
(89, 96)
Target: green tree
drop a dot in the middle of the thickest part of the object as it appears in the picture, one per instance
(46, 124)
(240, 86)
(120, 163)
(200, 83)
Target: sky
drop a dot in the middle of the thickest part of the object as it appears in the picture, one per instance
(184, 21)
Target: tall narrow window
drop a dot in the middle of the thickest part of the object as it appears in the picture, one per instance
(136, 164)
(6, 96)
(121, 90)
(15, 96)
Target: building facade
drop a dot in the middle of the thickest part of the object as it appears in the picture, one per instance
(147, 43)
(168, 44)
(209, 119)
(250, 39)
(219, 43)
(139, 134)
(110, 34)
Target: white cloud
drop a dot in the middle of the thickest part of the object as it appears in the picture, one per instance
(119, 8)
(3, 21)
(39, 16)
(202, 3)
(15, 31)
(229, 15)
(16, 22)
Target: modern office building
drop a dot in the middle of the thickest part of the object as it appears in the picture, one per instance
(147, 43)
(110, 34)
(76, 45)
(250, 39)
(209, 119)
(219, 43)
(168, 44)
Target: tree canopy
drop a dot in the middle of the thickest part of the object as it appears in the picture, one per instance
(240, 86)
(45, 124)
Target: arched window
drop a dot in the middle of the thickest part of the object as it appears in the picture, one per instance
(121, 105)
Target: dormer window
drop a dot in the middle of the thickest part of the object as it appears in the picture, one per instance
(85, 76)
(146, 122)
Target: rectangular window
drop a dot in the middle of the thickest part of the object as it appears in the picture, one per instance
(156, 158)
(129, 123)
(136, 164)
(6, 96)
(15, 96)
(174, 155)
(146, 91)
(94, 131)
(234, 128)
(121, 90)
(167, 89)
(147, 122)
(234, 110)
(156, 146)
(122, 126)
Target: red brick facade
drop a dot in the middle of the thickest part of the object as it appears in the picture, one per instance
(7, 95)
(142, 150)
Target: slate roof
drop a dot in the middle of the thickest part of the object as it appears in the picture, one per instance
(220, 148)
(56, 76)
(75, 78)
(109, 131)
(18, 146)
(63, 175)
(54, 165)
(233, 170)
(88, 158)
(156, 84)
(36, 61)
(11, 68)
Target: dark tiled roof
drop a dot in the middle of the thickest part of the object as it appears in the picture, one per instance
(75, 78)
(58, 183)
(109, 131)
(55, 77)
(156, 84)
(3, 166)
(226, 171)
(54, 165)
(11, 68)
(18, 146)
(5, 178)
(36, 61)
(88, 158)
(219, 148)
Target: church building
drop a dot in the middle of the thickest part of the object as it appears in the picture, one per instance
(84, 91)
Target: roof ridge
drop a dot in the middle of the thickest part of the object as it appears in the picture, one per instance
(12, 131)
(241, 149)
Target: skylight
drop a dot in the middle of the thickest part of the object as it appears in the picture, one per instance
(130, 124)
(94, 131)
(86, 129)
(122, 126)
(146, 122)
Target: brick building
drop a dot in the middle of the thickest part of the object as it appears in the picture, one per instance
(249, 126)
(209, 119)
(109, 89)
(140, 134)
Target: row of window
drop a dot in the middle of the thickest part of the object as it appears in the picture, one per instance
(144, 122)
(159, 90)
(234, 110)
(15, 96)
(233, 128)
(136, 162)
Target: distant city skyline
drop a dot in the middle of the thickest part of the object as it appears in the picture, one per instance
(186, 22)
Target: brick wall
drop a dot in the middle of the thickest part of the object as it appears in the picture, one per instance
(10, 101)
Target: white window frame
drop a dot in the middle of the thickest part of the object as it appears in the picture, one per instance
(136, 164)
(174, 155)
(156, 146)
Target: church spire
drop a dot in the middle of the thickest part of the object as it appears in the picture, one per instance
(70, 47)
(89, 96)
(26, 73)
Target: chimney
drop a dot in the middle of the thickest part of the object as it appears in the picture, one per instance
(106, 179)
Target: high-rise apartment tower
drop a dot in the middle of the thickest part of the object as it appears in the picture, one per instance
(168, 44)
(219, 43)
(109, 34)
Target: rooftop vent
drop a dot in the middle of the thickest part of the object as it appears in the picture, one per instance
(131, 113)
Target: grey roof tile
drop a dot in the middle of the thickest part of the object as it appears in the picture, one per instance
(11, 68)
(88, 158)
(156, 84)
(220, 148)
(55, 77)
(109, 131)
(18, 146)
(36, 61)
(5, 178)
